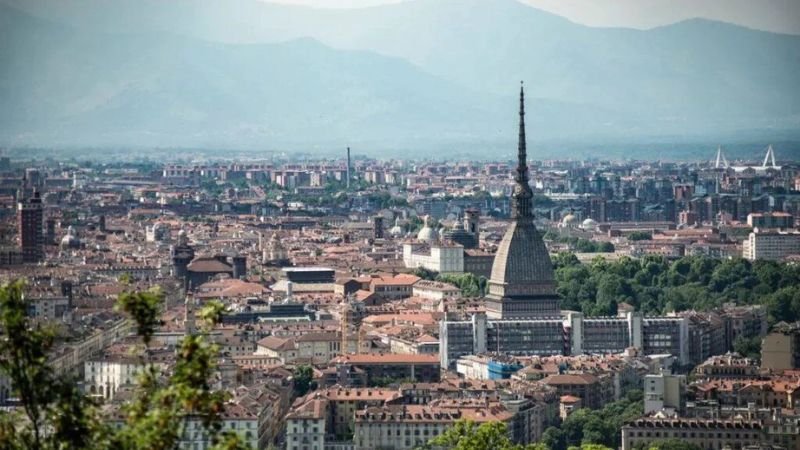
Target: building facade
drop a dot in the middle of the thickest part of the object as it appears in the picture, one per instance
(30, 229)
(770, 245)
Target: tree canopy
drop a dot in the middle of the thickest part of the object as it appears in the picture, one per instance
(656, 285)
(601, 427)
(55, 414)
(468, 435)
(470, 285)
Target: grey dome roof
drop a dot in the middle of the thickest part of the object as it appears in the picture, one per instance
(522, 264)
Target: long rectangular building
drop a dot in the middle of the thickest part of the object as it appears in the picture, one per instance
(571, 335)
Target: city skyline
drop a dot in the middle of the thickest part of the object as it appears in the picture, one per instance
(433, 224)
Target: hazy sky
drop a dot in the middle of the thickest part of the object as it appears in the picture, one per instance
(773, 15)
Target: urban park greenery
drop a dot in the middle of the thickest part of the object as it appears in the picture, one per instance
(656, 285)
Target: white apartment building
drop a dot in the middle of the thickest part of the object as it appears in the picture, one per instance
(771, 245)
(437, 257)
(105, 374)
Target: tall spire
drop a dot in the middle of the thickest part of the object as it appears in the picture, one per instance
(522, 196)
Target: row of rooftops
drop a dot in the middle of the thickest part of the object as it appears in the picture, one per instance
(707, 424)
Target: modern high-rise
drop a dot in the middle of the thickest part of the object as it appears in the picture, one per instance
(522, 284)
(30, 228)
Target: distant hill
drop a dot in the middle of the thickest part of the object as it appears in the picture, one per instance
(425, 73)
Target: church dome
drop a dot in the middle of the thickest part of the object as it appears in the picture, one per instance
(427, 234)
(70, 240)
(459, 235)
(589, 224)
(569, 220)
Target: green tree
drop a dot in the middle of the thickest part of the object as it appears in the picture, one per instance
(426, 274)
(467, 435)
(303, 380)
(749, 347)
(590, 447)
(54, 414)
(553, 438)
(125, 278)
(602, 426)
(640, 236)
(668, 444)
(470, 285)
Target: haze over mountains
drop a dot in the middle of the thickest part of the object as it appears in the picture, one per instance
(424, 74)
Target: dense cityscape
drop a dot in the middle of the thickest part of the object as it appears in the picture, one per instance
(393, 304)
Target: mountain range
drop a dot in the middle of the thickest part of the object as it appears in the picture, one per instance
(419, 75)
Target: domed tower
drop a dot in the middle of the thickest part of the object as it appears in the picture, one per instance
(427, 234)
(522, 284)
(459, 235)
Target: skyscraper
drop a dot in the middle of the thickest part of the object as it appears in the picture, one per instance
(30, 224)
(522, 284)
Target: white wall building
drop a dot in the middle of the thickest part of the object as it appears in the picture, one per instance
(664, 391)
(437, 257)
(104, 375)
(771, 245)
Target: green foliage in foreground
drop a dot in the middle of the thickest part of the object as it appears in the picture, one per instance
(655, 285)
(467, 435)
(599, 427)
(56, 415)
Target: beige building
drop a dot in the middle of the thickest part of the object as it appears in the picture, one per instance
(710, 434)
(435, 290)
(771, 245)
(311, 348)
(780, 349)
(405, 427)
(73, 355)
